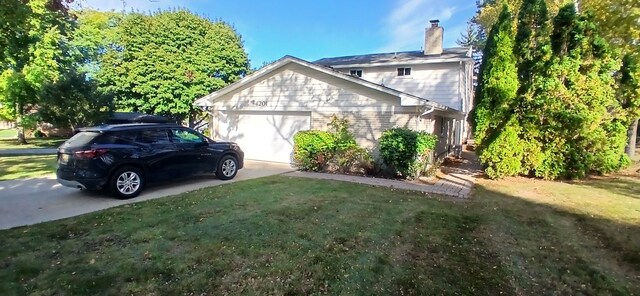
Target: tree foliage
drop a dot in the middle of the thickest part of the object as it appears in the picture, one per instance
(74, 101)
(161, 63)
(498, 81)
(34, 51)
(566, 120)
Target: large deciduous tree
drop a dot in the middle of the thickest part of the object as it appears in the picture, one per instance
(161, 63)
(33, 37)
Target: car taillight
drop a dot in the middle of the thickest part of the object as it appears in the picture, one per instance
(90, 154)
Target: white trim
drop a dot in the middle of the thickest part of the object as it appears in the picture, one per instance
(399, 63)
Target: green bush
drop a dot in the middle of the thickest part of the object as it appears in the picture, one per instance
(503, 155)
(354, 159)
(405, 151)
(313, 149)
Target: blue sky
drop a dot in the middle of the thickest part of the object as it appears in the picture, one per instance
(315, 29)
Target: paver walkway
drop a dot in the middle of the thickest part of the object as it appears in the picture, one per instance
(457, 180)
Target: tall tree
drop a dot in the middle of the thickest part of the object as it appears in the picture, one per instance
(164, 61)
(497, 131)
(583, 130)
(33, 36)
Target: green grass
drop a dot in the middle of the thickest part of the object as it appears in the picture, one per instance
(12, 143)
(282, 235)
(8, 141)
(7, 133)
(26, 166)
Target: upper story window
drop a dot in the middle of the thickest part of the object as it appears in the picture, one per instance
(355, 72)
(404, 71)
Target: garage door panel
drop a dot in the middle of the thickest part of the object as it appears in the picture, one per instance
(263, 136)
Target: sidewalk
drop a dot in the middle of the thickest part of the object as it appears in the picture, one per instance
(29, 151)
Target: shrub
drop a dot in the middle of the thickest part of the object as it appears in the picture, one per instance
(313, 149)
(340, 129)
(503, 155)
(405, 151)
(354, 160)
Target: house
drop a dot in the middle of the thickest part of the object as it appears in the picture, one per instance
(427, 90)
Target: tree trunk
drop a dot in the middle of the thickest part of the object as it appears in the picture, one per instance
(22, 140)
(632, 134)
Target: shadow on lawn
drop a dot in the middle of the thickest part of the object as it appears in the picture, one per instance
(548, 249)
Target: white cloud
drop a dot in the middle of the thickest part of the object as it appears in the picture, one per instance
(404, 26)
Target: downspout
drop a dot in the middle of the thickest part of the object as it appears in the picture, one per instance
(462, 126)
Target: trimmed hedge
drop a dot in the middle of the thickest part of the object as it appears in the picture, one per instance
(406, 151)
(313, 149)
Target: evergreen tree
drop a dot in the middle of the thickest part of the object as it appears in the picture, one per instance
(497, 131)
(584, 131)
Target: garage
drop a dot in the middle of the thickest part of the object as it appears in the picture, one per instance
(266, 136)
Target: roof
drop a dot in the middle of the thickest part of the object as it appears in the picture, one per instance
(126, 126)
(454, 54)
(409, 99)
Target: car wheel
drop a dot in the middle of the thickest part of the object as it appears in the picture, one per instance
(127, 182)
(227, 168)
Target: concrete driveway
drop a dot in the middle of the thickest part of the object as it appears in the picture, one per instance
(31, 201)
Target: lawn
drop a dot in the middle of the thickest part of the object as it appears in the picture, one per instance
(8, 141)
(26, 166)
(283, 235)
(7, 133)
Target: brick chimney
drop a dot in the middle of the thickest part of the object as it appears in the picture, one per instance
(433, 38)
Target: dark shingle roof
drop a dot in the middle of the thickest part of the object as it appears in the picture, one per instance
(395, 57)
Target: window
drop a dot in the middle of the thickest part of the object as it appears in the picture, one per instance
(404, 71)
(356, 72)
(146, 137)
(186, 136)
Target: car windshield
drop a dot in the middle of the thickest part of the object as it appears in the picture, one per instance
(80, 139)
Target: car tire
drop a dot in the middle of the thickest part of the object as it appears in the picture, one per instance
(227, 168)
(127, 182)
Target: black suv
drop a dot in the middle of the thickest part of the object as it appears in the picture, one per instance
(124, 157)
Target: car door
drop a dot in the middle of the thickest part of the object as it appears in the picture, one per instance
(160, 155)
(195, 155)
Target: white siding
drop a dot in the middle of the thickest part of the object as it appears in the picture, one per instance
(297, 88)
(436, 82)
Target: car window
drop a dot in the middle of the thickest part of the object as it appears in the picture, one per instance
(185, 136)
(155, 136)
(81, 139)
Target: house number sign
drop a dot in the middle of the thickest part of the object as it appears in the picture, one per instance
(258, 103)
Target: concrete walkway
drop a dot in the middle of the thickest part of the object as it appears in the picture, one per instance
(29, 151)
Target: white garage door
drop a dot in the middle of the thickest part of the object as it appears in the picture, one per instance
(262, 135)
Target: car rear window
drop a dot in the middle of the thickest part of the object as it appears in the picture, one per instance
(81, 139)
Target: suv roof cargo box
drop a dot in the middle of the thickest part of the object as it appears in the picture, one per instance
(136, 117)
